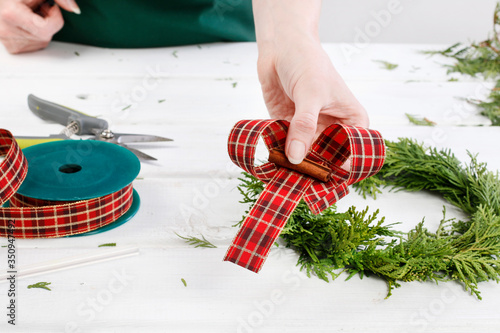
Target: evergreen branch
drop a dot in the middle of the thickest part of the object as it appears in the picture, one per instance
(479, 59)
(197, 242)
(358, 243)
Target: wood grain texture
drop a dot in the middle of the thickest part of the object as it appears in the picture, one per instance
(191, 191)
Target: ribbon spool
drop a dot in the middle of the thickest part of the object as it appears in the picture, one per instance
(320, 180)
(71, 187)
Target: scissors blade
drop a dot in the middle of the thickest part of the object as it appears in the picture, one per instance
(123, 138)
(142, 156)
(27, 141)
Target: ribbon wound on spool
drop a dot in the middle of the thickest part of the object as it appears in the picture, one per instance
(36, 218)
(320, 180)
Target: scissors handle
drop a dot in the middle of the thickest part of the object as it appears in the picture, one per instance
(64, 116)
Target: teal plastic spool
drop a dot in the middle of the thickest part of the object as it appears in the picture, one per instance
(75, 170)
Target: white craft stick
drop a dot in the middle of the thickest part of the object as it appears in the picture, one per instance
(72, 262)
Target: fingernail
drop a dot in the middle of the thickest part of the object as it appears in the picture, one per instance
(296, 151)
(74, 7)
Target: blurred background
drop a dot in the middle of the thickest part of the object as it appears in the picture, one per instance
(406, 21)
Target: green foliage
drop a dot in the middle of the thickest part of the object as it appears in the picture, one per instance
(491, 107)
(107, 244)
(356, 242)
(413, 167)
(41, 285)
(479, 59)
(419, 121)
(387, 65)
(197, 242)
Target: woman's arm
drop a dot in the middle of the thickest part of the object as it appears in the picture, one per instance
(299, 82)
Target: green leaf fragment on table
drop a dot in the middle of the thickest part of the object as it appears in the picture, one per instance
(387, 65)
(161, 101)
(127, 107)
(77, 54)
(41, 285)
(175, 54)
(184, 282)
(197, 242)
(419, 121)
(235, 84)
(107, 244)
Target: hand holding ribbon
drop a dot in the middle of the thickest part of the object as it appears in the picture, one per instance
(285, 187)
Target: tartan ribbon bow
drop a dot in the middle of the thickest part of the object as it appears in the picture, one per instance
(285, 187)
(35, 218)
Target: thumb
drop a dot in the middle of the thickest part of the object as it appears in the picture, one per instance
(301, 132)
(69, 5)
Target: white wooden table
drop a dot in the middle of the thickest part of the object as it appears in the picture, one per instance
(191, 190)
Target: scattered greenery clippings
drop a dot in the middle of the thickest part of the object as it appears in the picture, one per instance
(107, 244)
(161, 101)
(197, 242)
(479, 59)
(82, 96)
(175, 54)
(184, 282)
(235, 84)
(127, 107)
(77, 54)
(387, 65)
(359, 243)
(41, 285)
(419, 121)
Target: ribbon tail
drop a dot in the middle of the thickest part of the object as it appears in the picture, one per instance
(266, 219)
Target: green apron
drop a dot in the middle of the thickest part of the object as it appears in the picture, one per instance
(155, 23)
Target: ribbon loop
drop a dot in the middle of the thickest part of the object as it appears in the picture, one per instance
(362, 150)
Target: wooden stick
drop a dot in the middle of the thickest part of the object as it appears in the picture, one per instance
(307, 167)
(72, 262)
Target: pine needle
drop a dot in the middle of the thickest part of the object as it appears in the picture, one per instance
(419, 121)
(387, 65)
(41, 285)
(197, 242)
(107, 244)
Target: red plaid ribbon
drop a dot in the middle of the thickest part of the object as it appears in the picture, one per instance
(285, 188)
(35, 218)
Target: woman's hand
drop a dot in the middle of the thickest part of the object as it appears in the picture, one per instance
(301, 85)
(298, 80)
(28, 25)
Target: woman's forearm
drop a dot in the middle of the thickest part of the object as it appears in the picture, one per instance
(281, 22)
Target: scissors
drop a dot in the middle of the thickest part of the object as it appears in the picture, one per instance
(81, 124)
